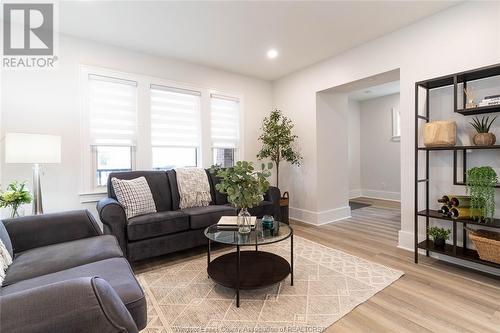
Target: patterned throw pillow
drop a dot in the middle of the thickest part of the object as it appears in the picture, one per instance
(134, 195)
(5, 261)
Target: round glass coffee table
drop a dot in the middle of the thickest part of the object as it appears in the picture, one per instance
(250, 269)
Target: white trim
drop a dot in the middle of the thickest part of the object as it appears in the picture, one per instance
(320, 218)
(91, 197)
(384, 195)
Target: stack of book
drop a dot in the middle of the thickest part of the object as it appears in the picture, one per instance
(490, 100)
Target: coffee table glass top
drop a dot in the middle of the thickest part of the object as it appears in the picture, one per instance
(257, 236)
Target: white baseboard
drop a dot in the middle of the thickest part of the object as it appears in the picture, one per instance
(384, 195)
(320, 218)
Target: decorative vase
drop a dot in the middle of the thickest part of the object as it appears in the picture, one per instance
(15, 212)
(484, 139)
(439, 242)
(244, 221)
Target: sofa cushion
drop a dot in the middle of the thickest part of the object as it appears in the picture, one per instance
(158, 184)
(116, 271)
(134, 195)
(4, 236)
(53, 258)
(264, 208)
(156, 224)
(218, 197)
(202, 217)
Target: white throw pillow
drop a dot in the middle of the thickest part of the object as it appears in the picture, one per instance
(5, 261)
(134, 195)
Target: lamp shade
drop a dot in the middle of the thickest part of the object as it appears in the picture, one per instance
(32, 148)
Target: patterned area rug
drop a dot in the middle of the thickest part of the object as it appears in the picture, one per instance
(327, 285)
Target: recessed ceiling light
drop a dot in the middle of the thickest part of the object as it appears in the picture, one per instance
(272, 53)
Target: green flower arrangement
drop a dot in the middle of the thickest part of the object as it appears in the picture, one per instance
(244, 186)
(481, 183)
(15, 195)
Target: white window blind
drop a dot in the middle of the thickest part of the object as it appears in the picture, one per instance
(175, 117)
(112, 111)
(225, 121)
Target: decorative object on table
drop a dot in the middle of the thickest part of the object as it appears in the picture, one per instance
(231, 222)
(34, 149)
(279, 144)
(440, 134)
(480, 182)
(439, 236)
(267, 222)
(194, 189)
(470, 98)
(487, 244)
(14, 196)
(245, 188)
(483, 137)
(490, 100)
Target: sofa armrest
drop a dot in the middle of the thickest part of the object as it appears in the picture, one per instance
(114, 219)
(86, 304)
(273, 194)
(41, 230)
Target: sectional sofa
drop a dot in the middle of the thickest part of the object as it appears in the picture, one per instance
(170, 229)
(67, 277)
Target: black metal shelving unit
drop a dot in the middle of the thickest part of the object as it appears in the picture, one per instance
(453, 250)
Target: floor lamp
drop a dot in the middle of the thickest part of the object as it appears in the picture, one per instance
(34, 149)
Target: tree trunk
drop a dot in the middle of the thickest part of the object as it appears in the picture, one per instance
(277, 174)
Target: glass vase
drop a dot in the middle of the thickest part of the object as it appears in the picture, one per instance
(15, 212)
(244, 221)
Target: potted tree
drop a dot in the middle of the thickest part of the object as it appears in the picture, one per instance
(480, 182)
(483, 137)
(279, 144)
(245, 188)
(439, 236)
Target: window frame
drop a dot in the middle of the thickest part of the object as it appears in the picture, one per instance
(95, 164)
(142, 152)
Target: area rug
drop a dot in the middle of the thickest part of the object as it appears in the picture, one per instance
(328, 284)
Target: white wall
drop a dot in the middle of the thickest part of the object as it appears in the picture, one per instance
(48, 102)
(354, 149)
(380, 155)
(461, 38)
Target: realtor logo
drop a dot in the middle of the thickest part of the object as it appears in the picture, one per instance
(28, 35)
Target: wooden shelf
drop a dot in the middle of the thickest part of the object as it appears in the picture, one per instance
(479, 110)
(495, 223)
(461, 253)
(448, 80)
(461, 148)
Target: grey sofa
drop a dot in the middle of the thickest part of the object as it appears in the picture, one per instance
(67, 277)
(170, 229)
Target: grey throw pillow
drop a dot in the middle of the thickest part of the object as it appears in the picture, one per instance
(134, 195)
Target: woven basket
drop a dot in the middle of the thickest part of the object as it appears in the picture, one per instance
(284, 200)
(487, 244)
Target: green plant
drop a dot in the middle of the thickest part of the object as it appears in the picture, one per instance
(483, 125)
(481, 183)
(278, 141)
(244, 186)
(15, 195)
(439, 233)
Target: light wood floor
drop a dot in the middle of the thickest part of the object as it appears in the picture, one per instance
(432, 296)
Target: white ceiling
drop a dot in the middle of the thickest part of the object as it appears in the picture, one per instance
(235, 36)
(380, 90)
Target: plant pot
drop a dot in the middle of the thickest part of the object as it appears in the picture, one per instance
(439, 242)
(484, 139)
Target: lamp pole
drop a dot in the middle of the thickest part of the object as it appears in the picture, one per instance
(37, 191)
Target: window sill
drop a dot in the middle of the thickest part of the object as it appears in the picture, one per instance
(90, 197)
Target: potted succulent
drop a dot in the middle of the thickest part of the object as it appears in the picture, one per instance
(439, 236)
(483, 137)
(15, 195)
(245, 188)
(480, 182)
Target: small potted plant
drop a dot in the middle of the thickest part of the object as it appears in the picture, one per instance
(439, 235)
(15, 195)
(483, 137)
(245, 188)
(480, 182)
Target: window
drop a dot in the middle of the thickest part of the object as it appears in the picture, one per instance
(396, 124)
(112, 125)
(224, 129)
(175, 127)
